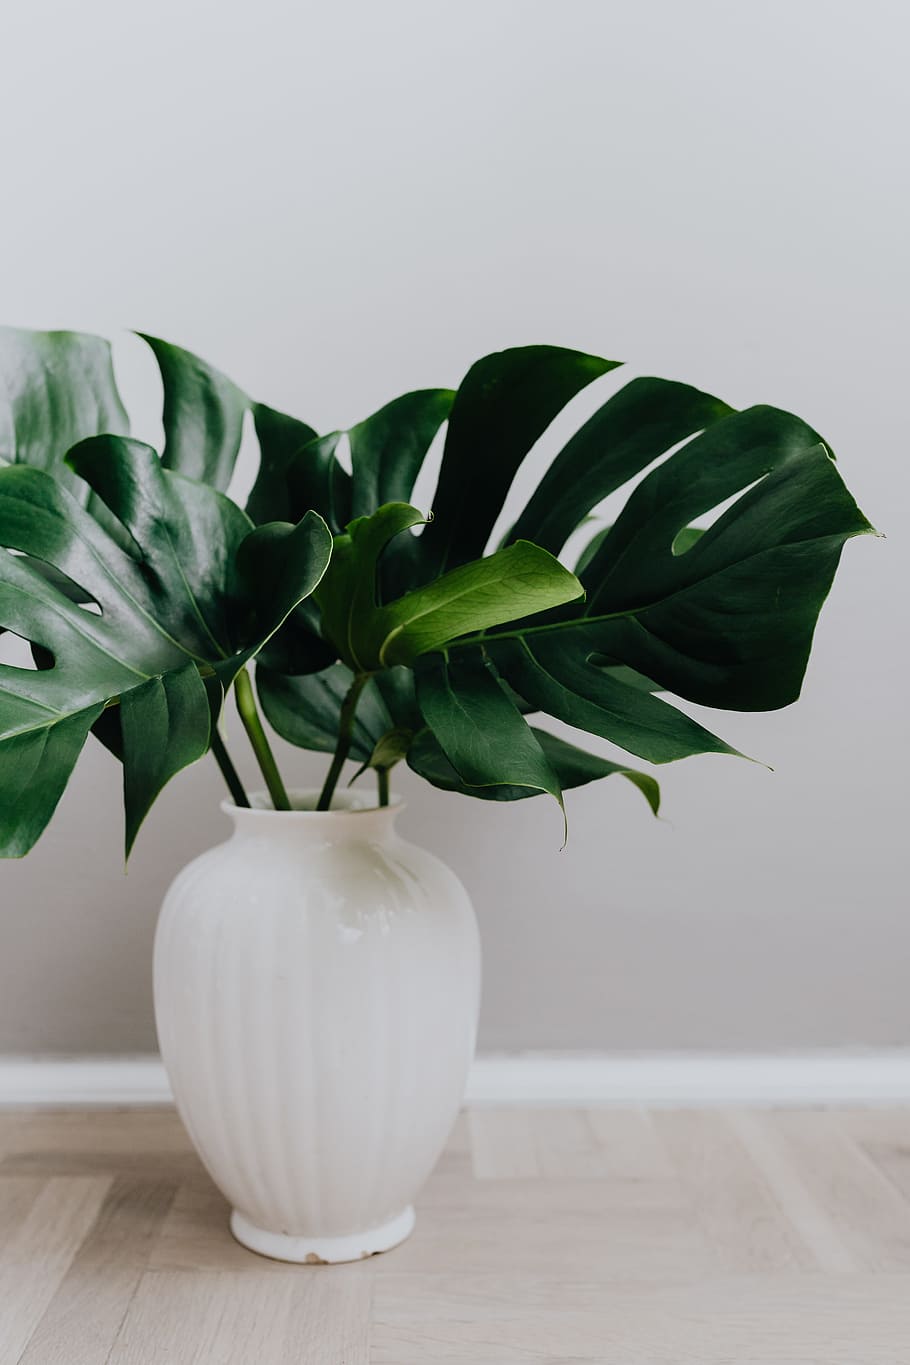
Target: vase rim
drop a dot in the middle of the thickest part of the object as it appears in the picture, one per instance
(303, 802)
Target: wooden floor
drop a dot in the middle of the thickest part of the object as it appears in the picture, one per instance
(547, 1236)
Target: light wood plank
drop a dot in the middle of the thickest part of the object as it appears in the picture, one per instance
(869, 1211)
(884, 1137)
(591, 1242)
(144, 1143)
(747, 1320)
(194, 1235)
(311, 1316)
(502, 1143)
(629, 1145)
(17, 1195)
(561, 1144)
(84, 1316)
(815, 1226)
(731, 1201)
(37, 1255)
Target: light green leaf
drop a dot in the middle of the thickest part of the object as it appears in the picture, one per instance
(511, 583)
(347, 594)
(508, 584)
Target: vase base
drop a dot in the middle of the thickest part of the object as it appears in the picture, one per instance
(303, 1250)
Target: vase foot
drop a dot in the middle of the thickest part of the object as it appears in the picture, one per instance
(304, 1250)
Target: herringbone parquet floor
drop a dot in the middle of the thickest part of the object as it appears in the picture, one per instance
(611, 1236)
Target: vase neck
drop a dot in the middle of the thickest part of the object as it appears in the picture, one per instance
(351, 820)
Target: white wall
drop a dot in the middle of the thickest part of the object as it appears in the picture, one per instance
(336, 203)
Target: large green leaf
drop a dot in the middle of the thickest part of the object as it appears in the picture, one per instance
(55, 389)
(281, 440)
(304, 710)
(388, 449)
(562, 682)
(503, 405)
(729, 622)
(625, 435)
(573, 767)
(720, 615)
(481, 732)
(298, 473)
(165, 725)
(175, 605)
(203, 415)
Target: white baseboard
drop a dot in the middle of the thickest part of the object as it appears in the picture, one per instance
(659, 1079)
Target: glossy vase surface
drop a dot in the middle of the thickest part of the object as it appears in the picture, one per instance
(317, 983)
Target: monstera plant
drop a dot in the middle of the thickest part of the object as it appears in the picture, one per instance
(380, 631)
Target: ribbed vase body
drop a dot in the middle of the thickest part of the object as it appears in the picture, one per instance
(317, 984)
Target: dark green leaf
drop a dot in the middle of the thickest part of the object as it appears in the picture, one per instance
(185, 539)
(504, 404)
(281, 440)
(283, 564)
(165, 725)
(388, 449)
(203, 415)
(484, 737)
(573, 767)
(630, 431)
(35, 765)
(729, 621)
(305, 710)
(55, 389)
(174, 600)
(554, 675)
(298, 647)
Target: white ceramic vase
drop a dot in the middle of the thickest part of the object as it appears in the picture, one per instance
(317, 982)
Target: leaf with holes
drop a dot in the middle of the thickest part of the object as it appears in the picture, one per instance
(707, 584)
(173, 609)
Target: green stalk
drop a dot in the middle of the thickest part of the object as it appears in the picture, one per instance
(382, 781)
(342, 748)
(246, 705)
(228, 771)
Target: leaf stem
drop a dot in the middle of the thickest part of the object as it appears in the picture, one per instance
(382, 781)
(342, 748)
(246, 705)
(228, 771)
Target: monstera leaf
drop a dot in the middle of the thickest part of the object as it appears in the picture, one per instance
(55, 389)
(722, 615)
(388, 727)
(160, 628)
(446, 638)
